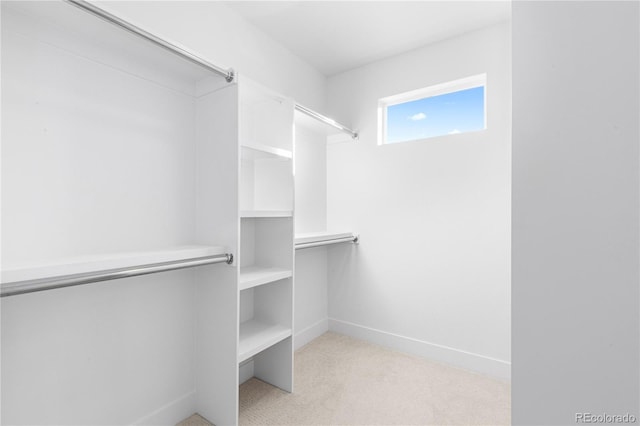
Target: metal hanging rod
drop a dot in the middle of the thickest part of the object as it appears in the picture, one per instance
(50, 283)
(229, 74)
(331, 122)
(354, 239)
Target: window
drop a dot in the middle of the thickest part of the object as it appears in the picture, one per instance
(445, 109)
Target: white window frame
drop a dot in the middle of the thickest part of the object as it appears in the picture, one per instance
(428, 92)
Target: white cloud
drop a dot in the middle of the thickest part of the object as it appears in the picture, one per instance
(454, 132)
(418, 116)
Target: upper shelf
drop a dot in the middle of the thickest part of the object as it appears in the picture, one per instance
(106, 262)
(262, 152)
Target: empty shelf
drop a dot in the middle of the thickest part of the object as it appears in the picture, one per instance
(105, 262)
(256, 336)
(260, 152)
(266, 213)
(253, 276)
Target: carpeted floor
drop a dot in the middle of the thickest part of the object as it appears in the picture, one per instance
(344, 381)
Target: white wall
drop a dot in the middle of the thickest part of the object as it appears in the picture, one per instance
(214, 32)
(311, 180)
(75, 146)
(432, 272)
(311, 297)
(576, 110)
(311, 310)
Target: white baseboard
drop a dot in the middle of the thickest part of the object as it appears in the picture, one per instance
(171, 413)
(469, 361)
(308, 334)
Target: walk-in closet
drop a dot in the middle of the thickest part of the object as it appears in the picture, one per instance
(269, 213)
(165, 224)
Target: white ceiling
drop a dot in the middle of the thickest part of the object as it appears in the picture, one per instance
(335, 36)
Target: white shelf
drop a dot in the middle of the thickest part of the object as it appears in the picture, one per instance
(313, 237)
(97, 263)
(256, 336)
(253, 276)
(265, 213)
(261, 152)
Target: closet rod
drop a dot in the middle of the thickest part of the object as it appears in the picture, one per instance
(229, 74)
(331, 122)
(354, 239)
(50, 283)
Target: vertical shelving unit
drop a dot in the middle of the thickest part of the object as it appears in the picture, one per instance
(265, 285)
(209, 164)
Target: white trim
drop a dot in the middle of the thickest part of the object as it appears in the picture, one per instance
(312, 332)
(479, 80)
(382, 123)
(171, 413)
(458, 358)
(436, 90)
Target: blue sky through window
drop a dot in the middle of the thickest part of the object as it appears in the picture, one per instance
(450, 113)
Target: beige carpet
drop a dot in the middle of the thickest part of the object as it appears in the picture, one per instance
(344, 381)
